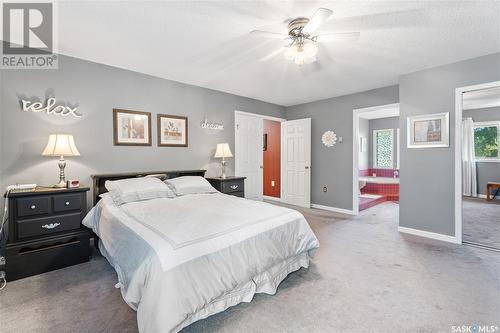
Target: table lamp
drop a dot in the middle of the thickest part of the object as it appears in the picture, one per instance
(223, 151)
(61, 145)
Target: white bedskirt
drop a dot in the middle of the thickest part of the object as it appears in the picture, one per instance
(265, 283)
(172, 286)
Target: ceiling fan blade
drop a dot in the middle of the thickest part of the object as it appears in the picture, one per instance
(337, 37)
(320, 16)
(268, 34)
(272, 54)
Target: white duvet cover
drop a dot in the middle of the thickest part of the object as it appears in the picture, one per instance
(183, 259)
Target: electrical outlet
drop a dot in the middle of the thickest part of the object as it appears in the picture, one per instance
(325, 189)
(273, 183)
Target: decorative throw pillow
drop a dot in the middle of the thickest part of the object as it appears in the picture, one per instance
(137, 189)
(190, 185)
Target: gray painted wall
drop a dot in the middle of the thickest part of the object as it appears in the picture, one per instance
(332, 167)
(97, 89)
(383, 123)
(427, 175)
(364, 132)
(486, 171)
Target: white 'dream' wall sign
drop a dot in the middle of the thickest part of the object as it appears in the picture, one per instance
(50, 107)
(214, 126)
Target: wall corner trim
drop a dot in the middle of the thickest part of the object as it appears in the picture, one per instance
(428, 234)
(333, 209)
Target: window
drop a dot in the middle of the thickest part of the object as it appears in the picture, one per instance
(486, 139)
(383, 147)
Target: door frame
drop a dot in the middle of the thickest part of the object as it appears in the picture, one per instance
(355, 149)
(244, 113)
(458, 151)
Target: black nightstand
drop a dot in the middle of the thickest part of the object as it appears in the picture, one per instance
(45, 231)
(229, 185)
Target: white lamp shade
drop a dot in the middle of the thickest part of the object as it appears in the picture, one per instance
(61, 145)
(223, 151)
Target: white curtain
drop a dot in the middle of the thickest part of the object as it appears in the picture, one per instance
(469, 176)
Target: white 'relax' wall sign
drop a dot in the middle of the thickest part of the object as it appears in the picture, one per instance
(50, 107)
(213, 126)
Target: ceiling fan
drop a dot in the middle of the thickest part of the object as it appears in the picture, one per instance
(302, 37)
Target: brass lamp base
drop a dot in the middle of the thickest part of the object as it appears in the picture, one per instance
(223, 173)
(61, 184)
(62, 177)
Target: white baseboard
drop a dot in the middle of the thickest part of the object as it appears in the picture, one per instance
(333, 209)
(428, 234)
(266, 197)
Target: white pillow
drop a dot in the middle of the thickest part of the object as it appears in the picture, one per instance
(137, 189)
(190, 185)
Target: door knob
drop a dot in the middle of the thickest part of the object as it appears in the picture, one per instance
(261, 167)
(306, 167)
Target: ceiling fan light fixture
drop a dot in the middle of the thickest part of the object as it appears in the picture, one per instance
(302, 53)
(303, 37)
(290, 52)
(311, 49)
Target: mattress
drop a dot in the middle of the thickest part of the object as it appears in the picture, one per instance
(183, 259)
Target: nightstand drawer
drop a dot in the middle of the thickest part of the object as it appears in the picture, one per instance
(232, 186)
(30, 258)
(238, 194)
(47, 225)
(33, 206)
(63, 203)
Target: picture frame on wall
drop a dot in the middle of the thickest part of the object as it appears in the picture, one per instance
(429, 131)
(131, 128)
(172, 130)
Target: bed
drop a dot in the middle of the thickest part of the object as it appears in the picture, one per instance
(182, 259)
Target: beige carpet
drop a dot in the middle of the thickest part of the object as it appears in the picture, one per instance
(481, 221)
(366, 278)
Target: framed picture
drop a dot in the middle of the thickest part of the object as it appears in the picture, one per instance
(131, 128)
(429, 131)
(172, 131)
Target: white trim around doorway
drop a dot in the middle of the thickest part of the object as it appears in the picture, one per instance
(244, 113)
(355, 149)
(259, 116)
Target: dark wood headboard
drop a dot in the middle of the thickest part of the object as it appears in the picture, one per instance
(100, 180)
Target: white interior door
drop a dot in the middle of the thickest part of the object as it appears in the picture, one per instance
(248, 153)
(296, 162)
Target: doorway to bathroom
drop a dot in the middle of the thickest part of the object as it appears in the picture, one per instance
(375, 156)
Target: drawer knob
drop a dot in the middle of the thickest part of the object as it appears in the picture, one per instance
(32, 206)
(66, 203)
(234, 187)
(51, 225)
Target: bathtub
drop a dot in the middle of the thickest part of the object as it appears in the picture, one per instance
(378, 180)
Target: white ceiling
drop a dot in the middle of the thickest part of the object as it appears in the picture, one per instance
(479, 99)
(207, 43)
